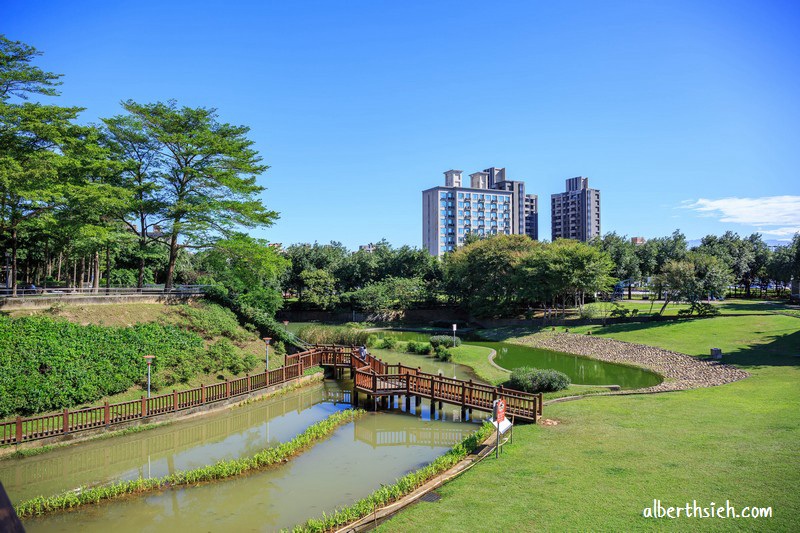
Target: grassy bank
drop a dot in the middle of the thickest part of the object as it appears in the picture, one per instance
(610, 457)
(221, 470)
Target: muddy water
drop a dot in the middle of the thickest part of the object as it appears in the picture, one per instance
(355, 461)
(228, 434)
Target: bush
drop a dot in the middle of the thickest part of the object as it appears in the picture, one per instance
(388, 343)
(411, 347)
(424, 348)
(442, 354)
(530, 379)
(444, 340)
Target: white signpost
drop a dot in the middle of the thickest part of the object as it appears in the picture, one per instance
(500, 422)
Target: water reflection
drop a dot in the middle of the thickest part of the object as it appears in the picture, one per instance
(356, 460)
(228, 434)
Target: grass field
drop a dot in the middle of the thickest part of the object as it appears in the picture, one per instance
(610, 457)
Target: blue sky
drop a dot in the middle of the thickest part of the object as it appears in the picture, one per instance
(684, 114)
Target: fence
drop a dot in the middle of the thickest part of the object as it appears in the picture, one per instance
(66, 422)
(55, 292)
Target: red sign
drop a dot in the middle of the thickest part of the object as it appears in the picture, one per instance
(499, 410)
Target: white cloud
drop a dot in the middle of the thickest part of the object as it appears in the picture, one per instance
(770, 215)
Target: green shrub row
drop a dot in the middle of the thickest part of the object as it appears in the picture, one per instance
(49, 363)
(530, 379)
(445, 340)
(405, 485)
(221, 470)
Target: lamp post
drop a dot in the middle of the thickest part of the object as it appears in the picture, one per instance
(266, 341)
(286, 326)
(149, 359)
(454, 347)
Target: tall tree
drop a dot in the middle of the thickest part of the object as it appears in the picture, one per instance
(33, 143)
(141, 162)
(208, 175)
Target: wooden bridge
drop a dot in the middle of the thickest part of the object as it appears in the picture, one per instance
(380, 381)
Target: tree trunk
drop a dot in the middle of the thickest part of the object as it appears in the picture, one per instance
(630, 291)
(108, 268)
(81, 273)
(96, 273)
(173, 256)
(58, 270)
(142, 250)
(14, 262)
(664, 307)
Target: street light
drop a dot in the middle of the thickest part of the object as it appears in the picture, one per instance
(266, 341)
(286, 326)
(454, 347)
(149, 359)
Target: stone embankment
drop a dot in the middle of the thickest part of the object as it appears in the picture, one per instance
(681, 371)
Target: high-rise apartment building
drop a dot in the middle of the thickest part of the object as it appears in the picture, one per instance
(532, 216)
(490, 205)
(576, 212)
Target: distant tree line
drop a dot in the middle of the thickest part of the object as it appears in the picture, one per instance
(510, 275)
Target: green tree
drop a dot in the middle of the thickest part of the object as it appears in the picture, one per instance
(248, 268)
(623, 253)
(481, 276)
(320, 288)
(141, 161)
(47, 162)
(208, 175)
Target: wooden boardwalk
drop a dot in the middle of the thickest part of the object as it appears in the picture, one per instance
(378, 380)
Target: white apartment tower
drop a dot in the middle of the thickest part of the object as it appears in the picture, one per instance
(576, 212)
(491, 205)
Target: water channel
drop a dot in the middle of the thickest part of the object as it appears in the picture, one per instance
(356, 460)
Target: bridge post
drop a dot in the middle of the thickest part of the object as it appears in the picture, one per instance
(354, 397)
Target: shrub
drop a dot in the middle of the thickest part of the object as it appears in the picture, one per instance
(411, 347)
(442, 354)
(444, 340)
(48, 363)
(388, 343)
(424, 348)
(530, 379)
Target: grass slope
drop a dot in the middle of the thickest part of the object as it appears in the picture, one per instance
(610, 457)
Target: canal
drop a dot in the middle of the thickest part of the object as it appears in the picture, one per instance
(360, 456)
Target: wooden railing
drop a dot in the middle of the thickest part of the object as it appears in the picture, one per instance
(71, 421)
(400, 379)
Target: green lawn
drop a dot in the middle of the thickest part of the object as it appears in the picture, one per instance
(727, 307)
(610, 457)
